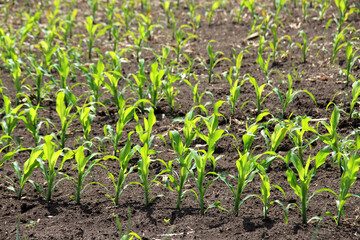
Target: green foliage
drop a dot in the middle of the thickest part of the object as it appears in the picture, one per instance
(24, 173)
(300, 182)
(91, 30)
(305, 46)
(83, 169)
(213, 61)
(123, 158)
(47, 164)
(290, 95)
(32, 123)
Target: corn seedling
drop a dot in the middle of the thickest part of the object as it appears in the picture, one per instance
(235, 89)
(290, 95)
(184, 160)
(338, 43)
(305, 46)
(15, 71)
(213, 61)
(332, 138)
(259, 90)
(124, 157)
(273, 140)
(156, 76)
(213, 133)
(296, 133)
(112, 87)
(300, 182)
(83, 169)
(197, 97)
(192, 8)
(201, 158)
(41, 89)
(189, 127)
(344, 11)
(23, 174)
(239, 12)
(138, 87)
(209, 14)
(50, 156)
(350, 61)
(250, 5)
(348, 178)
(274, 44)
(67, 26)
(32, 123)
(138, 41)
(86, 116)
(181, 41)
(65, 118)
(324, 6)
(280, 4)
(145, 152)
(95, 77)
(169, 91)
(10, 120)
(91, 30)
(125, 115)
(265, 193)
(246, 165)
(127, 235)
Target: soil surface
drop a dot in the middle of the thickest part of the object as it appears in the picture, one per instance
(94, 217)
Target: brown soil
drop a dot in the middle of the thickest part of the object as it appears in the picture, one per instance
(94, 218)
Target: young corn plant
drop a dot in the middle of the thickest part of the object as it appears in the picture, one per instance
(297, 130)
(48, 51)
(273, 140)
(9, 121)
(265, 193)
(259, 90)
(189, 127)
(145, 152)
(123, 158)
(324, 6)
(47, 164)
(40, 89)
(156, 76)
(143, 33)
(67, 26)
(300, 182)
(86, 116)
(32, 123)
(181, 40)
(344, 12)
(169, 91)
(138, 88)
(15, 71)
(235, 89)
(338, 43)
(125, 116)
(305, 46)
(213, 61)
(184, 160)
(239, 12)
(289, 95)
(209, 14)
(332, 138)
(201, 158)
(66, 118)
(118, 97)
(93, 36)
(95, 76)
(213, 133)
(274, 44)
(24, 173)
(83, 169)
(350, 61)
(348, 178)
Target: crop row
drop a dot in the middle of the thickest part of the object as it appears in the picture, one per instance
(59, 57)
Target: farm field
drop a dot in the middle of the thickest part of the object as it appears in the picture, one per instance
(179, 119)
